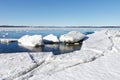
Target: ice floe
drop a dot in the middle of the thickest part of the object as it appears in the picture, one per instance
(50, 39)
(8, 40)
(33, 41)
(72, 37)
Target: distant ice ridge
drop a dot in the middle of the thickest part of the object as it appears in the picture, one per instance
(98, 59)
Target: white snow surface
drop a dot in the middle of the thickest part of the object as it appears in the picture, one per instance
(98, 59)
(51, 38)
(73, 36)
(34, 40)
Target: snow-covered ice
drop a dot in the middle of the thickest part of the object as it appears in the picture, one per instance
(72, 37)
(8, 40)
(33, 41)
(98, 59)
(51, 39)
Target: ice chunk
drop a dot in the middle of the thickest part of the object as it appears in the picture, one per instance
(51, 39)
(6, 33)
(72, 37)
(33, 41)
(99, 41)
(8, 40)
(3, 35)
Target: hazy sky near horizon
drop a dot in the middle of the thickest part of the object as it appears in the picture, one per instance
(60, 12)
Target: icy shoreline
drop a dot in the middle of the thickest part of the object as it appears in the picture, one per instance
(12, 28)
(25, 28)
(98, 59)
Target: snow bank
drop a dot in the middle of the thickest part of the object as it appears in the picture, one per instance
(33, 41)
(51, 39)
(72, 37)
(104, 68)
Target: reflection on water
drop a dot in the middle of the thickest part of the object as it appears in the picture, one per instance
(69, 48)
(55, 48)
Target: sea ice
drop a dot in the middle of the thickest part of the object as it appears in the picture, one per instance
(8, 40)
(98, 59)
(51, 39)
(72, 37)
(33, 41)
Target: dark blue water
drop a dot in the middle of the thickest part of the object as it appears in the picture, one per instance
(18, 34)
(55, 48)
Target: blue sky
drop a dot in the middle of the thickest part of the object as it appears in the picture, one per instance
(60, 12)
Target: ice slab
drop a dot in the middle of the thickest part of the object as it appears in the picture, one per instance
(8, 40)
(33, 41)
(51, 39)
(72, 37)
